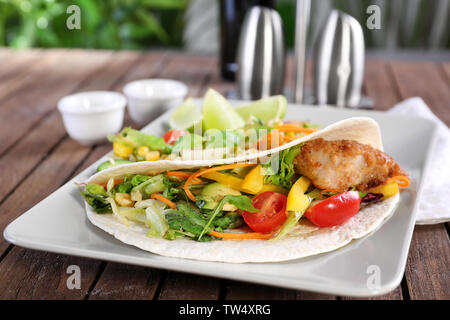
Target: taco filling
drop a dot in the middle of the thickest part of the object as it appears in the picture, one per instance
(322, 182)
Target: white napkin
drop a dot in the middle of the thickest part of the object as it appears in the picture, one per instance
(434, 205)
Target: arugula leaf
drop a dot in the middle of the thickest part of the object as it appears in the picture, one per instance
(241, 202)
(177, 221)
(285, 168)
(192, 215)
(131, 181)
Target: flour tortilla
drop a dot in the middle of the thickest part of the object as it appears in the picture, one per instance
(304, 240)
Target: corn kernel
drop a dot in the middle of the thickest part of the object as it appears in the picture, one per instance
(124, 200)
(152, 156)
(142, 151)
(121, 150)
(290, 134)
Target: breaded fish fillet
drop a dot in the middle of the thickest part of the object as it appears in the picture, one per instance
(343, 164)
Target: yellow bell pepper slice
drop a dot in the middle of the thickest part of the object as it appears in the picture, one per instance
(297, 199)
(236, 183)
(297, 203)
(253, 181)
(225, 179)
(122, 150)
(388, 190)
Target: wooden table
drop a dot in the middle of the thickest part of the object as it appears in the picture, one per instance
(37, 157)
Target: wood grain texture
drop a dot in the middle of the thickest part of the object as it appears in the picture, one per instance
(380, 85)
(25, 154)
(135, 283)
(14, 63)
(425, 80)
(29, 274)
(45, 178)
(20, 113)
(181, 286)
(428, 269)
(191, 69)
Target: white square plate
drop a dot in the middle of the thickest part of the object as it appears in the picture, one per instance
(59, 224)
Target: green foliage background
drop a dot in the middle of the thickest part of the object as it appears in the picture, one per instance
(110, 24)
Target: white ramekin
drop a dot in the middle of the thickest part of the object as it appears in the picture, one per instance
(149, 98)
(90, 116)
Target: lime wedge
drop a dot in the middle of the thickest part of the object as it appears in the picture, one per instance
(218, 113)
(267, 109)
(185, 116)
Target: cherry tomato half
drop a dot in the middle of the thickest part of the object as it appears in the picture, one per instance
(272, 212)
(172, 135)
(334, 210)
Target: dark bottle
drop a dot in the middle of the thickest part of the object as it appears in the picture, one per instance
(232, 14)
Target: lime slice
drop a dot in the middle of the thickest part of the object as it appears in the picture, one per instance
(185, 116)
(218, 113)
(267, 109)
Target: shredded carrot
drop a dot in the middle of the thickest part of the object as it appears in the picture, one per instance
(248, 235)
(265, 143)
(294, 128)
(203, 171)
(182, 175)
(161, 198)
(402, 181)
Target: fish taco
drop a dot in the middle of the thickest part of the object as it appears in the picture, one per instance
(312, 195)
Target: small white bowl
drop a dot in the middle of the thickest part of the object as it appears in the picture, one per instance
(90, 116)
(149, 98)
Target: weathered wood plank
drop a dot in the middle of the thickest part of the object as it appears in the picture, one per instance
(23, 111)
(428, 269)
(193, 70)
(25, 154)
(45, 179)
(29, 274)
(150, 65)
(425, 80)
(180, 286)
(121, 281)
(25, 71)
(14, 63)
(380, 85)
